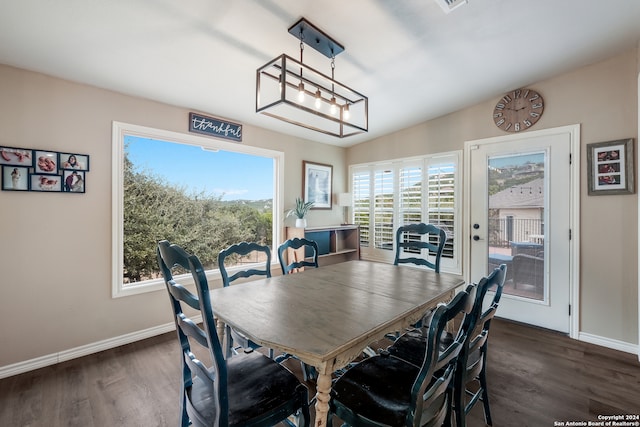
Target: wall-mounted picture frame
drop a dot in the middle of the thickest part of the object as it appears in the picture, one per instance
(317, 179)
(611, 167)
(45, 182)
(45, 162)
(16, 156)
(15, 178)
(24, 169)
(74, 161)
(74, 181)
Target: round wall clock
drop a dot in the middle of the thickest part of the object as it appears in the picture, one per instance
(518, 110)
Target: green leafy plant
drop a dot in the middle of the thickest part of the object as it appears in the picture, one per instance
(301, 209)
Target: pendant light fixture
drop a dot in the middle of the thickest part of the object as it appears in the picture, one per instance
(282, 86)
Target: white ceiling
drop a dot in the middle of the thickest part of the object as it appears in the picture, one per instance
(412, 60)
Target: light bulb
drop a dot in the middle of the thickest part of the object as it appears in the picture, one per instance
(301, 92)
(318, 99)
(334, 106)
(346, 114)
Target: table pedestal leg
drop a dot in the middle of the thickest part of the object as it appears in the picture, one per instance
(223, 336)
(323, 388)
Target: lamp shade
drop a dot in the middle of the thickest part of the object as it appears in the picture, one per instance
(344, 199)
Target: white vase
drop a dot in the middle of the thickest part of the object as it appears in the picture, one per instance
(301, 222)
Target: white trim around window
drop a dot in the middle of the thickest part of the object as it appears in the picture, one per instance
(119, 131)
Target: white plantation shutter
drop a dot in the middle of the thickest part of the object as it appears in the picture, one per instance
(410, 200)
(361, 184)
(407, 191)
(383, 209)
(441, 201)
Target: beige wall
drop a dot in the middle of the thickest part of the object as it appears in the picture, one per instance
(603, 99)
(56, 248)
(55, 255)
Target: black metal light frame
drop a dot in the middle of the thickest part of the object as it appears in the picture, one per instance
(278, 83)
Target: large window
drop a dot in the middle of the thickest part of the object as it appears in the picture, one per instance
(201, 193)
(387, 195)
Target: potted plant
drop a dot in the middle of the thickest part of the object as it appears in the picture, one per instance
(300, 212)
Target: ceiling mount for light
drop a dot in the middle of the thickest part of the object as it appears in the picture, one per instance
(449, 5)
(289, 90)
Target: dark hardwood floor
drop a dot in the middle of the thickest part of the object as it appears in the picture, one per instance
(536, 377)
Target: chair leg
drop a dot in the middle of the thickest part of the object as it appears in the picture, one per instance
(185, 421)
(459, 406)
(304, 417)
(485, 397)
(447, 420)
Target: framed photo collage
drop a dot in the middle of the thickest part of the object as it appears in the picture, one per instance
(40, 170)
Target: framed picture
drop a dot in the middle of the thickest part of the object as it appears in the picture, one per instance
(73, 181)
(45, 161)
(15, 178)
(16, 156)
(74, 161)
(316, 184)
(41, 182)
(610, 167)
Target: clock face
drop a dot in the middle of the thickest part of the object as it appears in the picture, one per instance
(518, 110)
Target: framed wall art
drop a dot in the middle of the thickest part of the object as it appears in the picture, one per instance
(16, 156)
(15, 178)
(42, 182)
(28, 169)
(317, 184)
(74, 161)
(73, 181)
(46, 161)
(611, 167)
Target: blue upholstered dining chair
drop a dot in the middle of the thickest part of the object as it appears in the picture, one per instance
(236, 340)
(249, 389)
(472, 359)
(298, 243)
(412, 239)
(384, 390)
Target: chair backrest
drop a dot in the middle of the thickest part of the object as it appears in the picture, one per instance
(243, 249)
(494, 280)
(189, 333)
(418, 237)
(297, 243)
(473, 358)
(430, 400)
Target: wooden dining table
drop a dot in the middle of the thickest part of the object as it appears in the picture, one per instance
(327, 316)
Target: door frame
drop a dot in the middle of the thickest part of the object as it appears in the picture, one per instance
(574, 206)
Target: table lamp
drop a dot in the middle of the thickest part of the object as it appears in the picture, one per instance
(344, 200)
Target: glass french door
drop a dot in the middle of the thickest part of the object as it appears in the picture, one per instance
(520, 216)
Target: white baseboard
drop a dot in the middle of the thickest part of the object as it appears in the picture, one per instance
(84, 350)
(52, 359)
(609, 343)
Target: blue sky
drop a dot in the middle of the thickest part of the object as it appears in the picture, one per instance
(234, 175)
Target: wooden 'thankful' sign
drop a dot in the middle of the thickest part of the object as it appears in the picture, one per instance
(215, 127)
